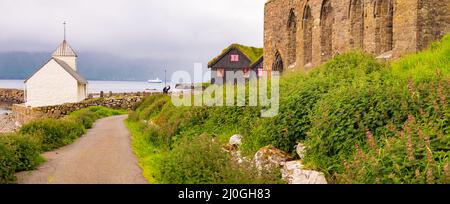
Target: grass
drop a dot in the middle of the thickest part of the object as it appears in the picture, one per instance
(148, 154)
(21, 151)
(363, 121)
(422, 66)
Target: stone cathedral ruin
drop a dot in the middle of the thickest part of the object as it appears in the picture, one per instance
(302, 34)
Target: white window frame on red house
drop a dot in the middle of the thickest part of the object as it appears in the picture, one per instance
(234, 58)
(221, 72)
(260, 72)
(246, 72)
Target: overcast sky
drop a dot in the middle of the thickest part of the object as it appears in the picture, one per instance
(185, 30)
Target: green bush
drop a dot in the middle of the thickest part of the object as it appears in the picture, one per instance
(54, 133)
(57, 133)
(351, 112)
(18, 153)
(27, 150)
(415, 152)
(8, 161)
(418, 154)
(292, 123)
(202, 160)
(88, 116)
(300, 93)
(341, 118)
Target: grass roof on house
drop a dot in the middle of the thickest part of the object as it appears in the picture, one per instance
(252, 53)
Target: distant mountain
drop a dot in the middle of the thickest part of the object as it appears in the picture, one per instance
(94, 66)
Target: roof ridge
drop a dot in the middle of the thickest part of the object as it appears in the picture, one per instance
(64, 50)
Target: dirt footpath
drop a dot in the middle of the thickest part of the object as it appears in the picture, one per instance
(102, 156)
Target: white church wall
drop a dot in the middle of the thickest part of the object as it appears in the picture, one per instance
(71, 61)
(82, 92)
(51, 85)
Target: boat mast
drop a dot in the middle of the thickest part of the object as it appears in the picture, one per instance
(165, 81)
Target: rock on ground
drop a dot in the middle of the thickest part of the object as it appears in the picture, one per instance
(270, 157)
(236, 140)
(294, 173)
(301, 149)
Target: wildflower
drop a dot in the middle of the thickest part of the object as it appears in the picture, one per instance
(402, 134)
(447, 172)
(347, 166)
(421, 137)
(360, 153)
(391, 127)
(410, 119)
(422, 112)
(436, 106)
(430, 176)
(411, 87)
(371, 139)
(441, 94)
(410, 148)
(418, 175)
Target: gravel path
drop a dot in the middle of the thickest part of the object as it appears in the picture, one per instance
(102, 156)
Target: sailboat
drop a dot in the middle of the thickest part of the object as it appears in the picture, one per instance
(155, 81)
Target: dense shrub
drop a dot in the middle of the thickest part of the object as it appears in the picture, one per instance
(88, 116)
(417, 152)
(341, 118)
(54, 133)
(203, 161)
(292, 123)
(27, 150)
(300, 93)
(363, 121)
(154, 108)
(18, 153)
(7, 163)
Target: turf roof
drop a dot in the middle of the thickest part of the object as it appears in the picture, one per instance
(252, 53)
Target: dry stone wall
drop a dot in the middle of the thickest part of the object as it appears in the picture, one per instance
(11, 96)
(305, 33)
(25, 114)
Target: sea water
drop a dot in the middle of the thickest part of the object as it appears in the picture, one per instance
(105, 86)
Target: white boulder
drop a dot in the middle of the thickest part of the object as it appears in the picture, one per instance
(235, 140)
(301, 150)
(294, 173)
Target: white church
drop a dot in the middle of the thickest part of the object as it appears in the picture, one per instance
(57, 81)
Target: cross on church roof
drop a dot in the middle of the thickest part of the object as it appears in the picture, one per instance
(64, 49)
(64, 23)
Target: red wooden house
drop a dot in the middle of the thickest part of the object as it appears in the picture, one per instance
(248, 61)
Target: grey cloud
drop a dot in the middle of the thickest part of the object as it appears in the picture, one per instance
(187, 31)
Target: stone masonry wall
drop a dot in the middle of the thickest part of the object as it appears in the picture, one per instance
(11, 96)
(384, 28)
(25, 114)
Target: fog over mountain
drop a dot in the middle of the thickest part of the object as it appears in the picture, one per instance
(94, 66)
(125, 40)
